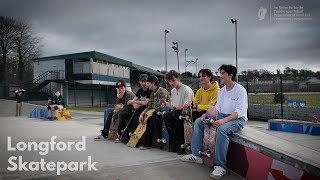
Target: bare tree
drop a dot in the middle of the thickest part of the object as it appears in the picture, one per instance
(18, 46)
(8, 32)
(27, 47)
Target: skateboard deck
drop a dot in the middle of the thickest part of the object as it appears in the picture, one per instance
(187, 128)
(112, 135)
(138, 133)
(164, 139)
(64, 114)
(125, 132)
(209, 138)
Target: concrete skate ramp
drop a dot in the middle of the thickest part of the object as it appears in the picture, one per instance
(8, 108)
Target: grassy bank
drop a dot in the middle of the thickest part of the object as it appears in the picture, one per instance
(312, 99)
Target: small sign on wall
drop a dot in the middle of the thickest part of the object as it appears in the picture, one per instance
(297, 103)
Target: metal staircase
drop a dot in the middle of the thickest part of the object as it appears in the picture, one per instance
(38, 85)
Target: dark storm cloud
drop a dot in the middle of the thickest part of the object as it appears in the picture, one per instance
(133, 30)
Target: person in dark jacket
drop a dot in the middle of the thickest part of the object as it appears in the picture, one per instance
(55, 105)
(19, 92)
(123, 96)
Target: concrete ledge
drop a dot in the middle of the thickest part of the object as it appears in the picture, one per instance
(295, 155)
(294, 126)
(8, 108)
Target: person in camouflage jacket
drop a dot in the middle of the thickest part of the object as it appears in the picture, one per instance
(158, 98)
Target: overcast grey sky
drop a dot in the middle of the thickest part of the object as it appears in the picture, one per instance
(134, 30)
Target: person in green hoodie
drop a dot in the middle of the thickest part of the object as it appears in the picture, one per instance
(206, 96)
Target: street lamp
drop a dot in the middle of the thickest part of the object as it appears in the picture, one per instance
(175, 47)
(188, 63)
(234, 21)
(185, 61)
(197, 65)
(165, 48)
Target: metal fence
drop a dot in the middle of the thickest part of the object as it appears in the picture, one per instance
(285, 98)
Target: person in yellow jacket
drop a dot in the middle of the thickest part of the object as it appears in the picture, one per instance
(207, 95)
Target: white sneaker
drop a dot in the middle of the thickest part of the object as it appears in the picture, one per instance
(192, 158)
(218, 172)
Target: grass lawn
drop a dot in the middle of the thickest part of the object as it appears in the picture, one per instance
(312, 100)
(89, 108)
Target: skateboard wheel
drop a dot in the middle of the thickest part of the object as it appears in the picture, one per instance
(200, 153)
(164, 141)
(122, 131)
(135, 136)
(182, 145)
(189, 148)
(208, 155)
(180, 117)
(158, 140)
(159, 113)
(130, 134)
(211, 121)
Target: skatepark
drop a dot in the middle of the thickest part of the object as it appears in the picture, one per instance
(296, 156)
(115, 160)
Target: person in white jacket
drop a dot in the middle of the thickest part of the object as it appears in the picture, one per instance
(232, 105)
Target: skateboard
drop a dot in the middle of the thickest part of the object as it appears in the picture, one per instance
(188, 128)
(112, 135)
(125, 132)
(164, 139)
(64, 114)
(138, 133)
(209, 138)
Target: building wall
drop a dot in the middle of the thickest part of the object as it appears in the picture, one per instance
(40, 67)
(84, 93)
(110, 70)
(81, 67)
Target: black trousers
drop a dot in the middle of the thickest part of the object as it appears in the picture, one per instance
(197, 114)
(175, 127)
(154, 127)
(123, 118)
(133, 124)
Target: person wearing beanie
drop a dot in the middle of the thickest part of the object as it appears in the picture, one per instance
(158, 98)
(138, 104)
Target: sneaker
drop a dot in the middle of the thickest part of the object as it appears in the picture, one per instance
(55, 118)
(49, 118)
(144, 147)
(192, 158)
(101, 138)
(117, 140)
(218, 172)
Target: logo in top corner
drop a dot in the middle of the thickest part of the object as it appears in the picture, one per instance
(262, 13)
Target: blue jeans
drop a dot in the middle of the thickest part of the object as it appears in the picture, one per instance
(107, 111)
(222, 138)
